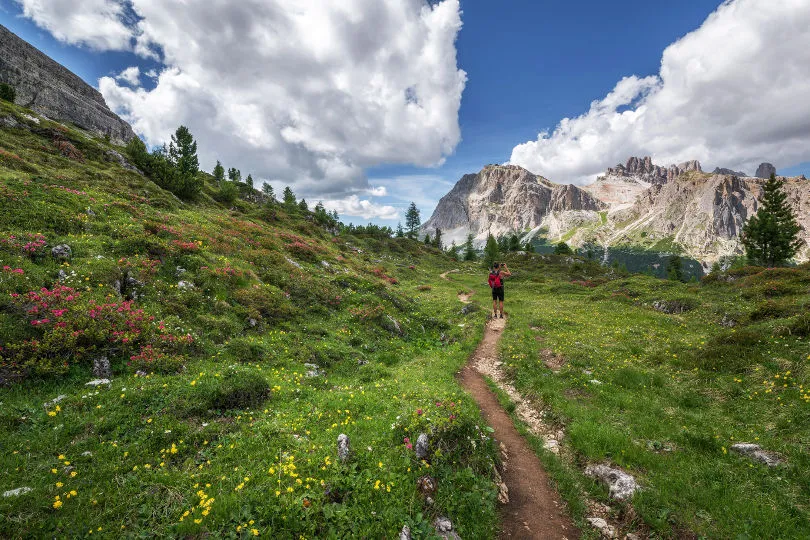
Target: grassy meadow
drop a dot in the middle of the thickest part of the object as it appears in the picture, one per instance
(664, 396)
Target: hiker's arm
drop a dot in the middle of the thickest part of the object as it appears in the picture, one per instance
(506, 272)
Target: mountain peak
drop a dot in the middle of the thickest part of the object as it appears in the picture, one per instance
(645, 170)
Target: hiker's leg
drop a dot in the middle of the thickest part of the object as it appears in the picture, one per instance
(501, 307)
(495, 305)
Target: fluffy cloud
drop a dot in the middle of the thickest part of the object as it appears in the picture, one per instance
(353, 206)
(733, 93)
(310, 92)
(131, 76)
(98, 24)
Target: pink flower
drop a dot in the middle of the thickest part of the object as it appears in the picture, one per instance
(419, 412)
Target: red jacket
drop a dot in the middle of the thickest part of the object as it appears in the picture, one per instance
(495, 280)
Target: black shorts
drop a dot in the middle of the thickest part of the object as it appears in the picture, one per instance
(497, 293)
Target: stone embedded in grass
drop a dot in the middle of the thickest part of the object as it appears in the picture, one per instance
(422, 446)
(102, 368)
(62, 252)
(391, 324)
(405, 533)
(185, 285)
(343, 448)
(426, 485)
(673, 307)
(756, 453)
(292, 262)
(17, 492)
(313, 370)
(444, 529)
(606, 530)
(98, 382)
(621, 485)
(54, 401)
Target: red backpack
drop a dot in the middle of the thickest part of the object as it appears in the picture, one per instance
(495, 280)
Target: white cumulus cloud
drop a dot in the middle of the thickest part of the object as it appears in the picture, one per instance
(98, 24)
(310, 92)
(353, 206)
(733, 93)
(131, 76)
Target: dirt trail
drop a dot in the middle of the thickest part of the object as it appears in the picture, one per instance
(464, 298)
(534, 509)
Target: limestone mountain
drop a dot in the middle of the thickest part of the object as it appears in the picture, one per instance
(505, 198)
(52, 90)
(638, 204)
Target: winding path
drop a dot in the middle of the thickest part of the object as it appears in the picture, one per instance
(533, 509)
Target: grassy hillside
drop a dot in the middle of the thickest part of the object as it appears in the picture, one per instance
(213, 424)
(662, 378)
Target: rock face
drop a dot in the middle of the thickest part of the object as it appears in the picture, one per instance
(53, 91)
(645, 170)
(501, 199)
(765, 170)
(719, 170)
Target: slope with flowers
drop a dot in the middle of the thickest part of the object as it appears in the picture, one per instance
(242, 341)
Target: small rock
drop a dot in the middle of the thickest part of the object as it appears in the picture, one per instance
(314, 371)
(595, 381)
(343, 448)
(405, 533)
(632, 536)
(552, 445)
(30, 118)
(362, 362)
(602, 526)
(728, 322)
(54, 401)
(140, 373)
(90, 212)
(292, 262)
(179, 271)
(756, 453)
(422, 446)
(253, 323)
(62, 275)
(61, 252)
(87, 453)
(444, 529)
(391, 324)
(8, 122)
(426, 485)
(185, 285)
(325, 264)
(17, 492)
(429, 501)
(101, 368)
(620, 484)
(98, 382)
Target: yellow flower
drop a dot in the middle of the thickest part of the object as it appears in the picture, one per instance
(255, 532)
(57, 505)
(59, 484)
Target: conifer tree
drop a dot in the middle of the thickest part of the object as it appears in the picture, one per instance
(289, 198)
(412, 219)
(183, 152)
(427, 240)
(453, 250)
(771, 236)
(562, 249)
(675, 268)
(219, 173)
(400, 230)
(491, 251)
(249, 181)
(267, 189)
(234, 175)
(469, 249)
(514, 243)
(302, 206)
(437, 240)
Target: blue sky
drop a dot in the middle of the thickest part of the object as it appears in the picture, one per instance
(529, 64)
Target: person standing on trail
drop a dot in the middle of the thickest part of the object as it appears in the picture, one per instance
(496, 277)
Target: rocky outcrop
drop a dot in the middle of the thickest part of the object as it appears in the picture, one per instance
(765, 170)
(52, 90)
(645, 170)
(723, 170)
(502, 199)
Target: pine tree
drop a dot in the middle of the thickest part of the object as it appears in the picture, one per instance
(219, 173)
(183, 152)
(249, 181)
(514, 243)
(771, 236)
(427, 240)
(289, 198)
(302, 206)
(491, 251)
(453, 250)
(267, 189)
(469, 249)
(562, 249)
(675, 268)
(400, 230)
(7, 92)
(412, 219)
(437, 240)
(234, 175)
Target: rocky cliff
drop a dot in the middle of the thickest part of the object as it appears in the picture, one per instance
(53, 91)
(505, 198)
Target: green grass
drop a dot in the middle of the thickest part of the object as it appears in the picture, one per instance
(226, 433)
(675, 381)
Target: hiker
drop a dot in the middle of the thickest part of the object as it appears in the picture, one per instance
(496, 277)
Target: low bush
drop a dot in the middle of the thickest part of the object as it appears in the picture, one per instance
(246, 349)
(213, 394)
